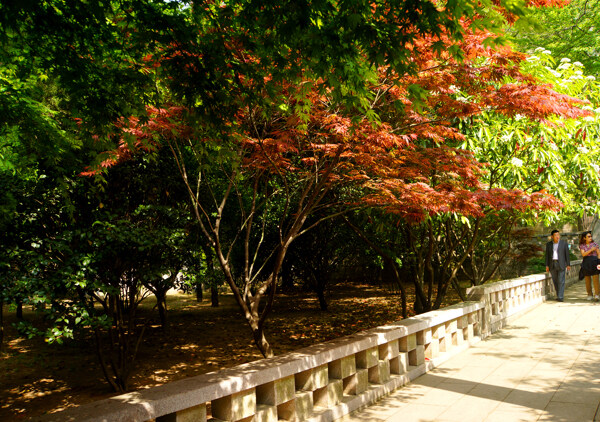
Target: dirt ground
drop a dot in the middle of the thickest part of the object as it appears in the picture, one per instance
(37, 378)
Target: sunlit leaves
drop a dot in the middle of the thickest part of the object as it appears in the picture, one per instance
(570, 31)
(560, 156)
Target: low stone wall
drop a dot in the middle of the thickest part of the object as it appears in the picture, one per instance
(505, 300)
(326, 381)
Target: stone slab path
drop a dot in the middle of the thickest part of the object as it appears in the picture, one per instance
(545, 366)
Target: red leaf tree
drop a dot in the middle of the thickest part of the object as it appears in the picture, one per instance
(256, 177)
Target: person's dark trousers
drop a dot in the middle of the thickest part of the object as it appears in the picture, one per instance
(558, 278)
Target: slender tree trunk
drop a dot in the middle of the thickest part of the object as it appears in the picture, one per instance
(287, 282)
(402, 290)
(456, 286)
(161, 302)
(117, 356)
(198, 289)
(320, 288)
(103, 366)
(123, 361)
(210, 266)
(419, 306)
(214, 296)
(261, 341)
(429, 265)
(442, 288)
(421, 303)
(20, 309)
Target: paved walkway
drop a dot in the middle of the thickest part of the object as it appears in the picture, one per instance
(545, 366)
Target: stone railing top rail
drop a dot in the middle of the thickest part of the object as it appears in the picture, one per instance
(504, 284)
(507, 284)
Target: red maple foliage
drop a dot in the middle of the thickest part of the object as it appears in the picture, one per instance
(401, 161)
(143, 136)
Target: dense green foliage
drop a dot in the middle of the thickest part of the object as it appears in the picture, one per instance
(571, 31)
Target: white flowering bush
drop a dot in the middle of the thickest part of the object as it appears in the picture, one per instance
(560, 155)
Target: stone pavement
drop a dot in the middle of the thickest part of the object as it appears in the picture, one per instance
(544, 366)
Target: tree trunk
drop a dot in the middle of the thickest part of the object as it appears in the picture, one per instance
(198, 289)
(396, 273)
(161, 301)
(20, 309)
(214, 296)
(441, 293)
(321, 295)
(287, 281)
(210, 267)
(103, 365)
(261, 341)
(419, 306)
(117, 346)
(118, 361)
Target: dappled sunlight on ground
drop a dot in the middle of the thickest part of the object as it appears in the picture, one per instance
(39, 388)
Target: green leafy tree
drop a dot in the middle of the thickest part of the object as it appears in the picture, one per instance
(569, 31)
(559, 155)
(136, 243)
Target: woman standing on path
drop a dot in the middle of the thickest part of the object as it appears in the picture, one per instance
(589, 267)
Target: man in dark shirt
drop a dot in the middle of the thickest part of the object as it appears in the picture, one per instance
(557, 261)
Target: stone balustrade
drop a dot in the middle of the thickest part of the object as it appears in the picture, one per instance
(326, 381)
(506, 299)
